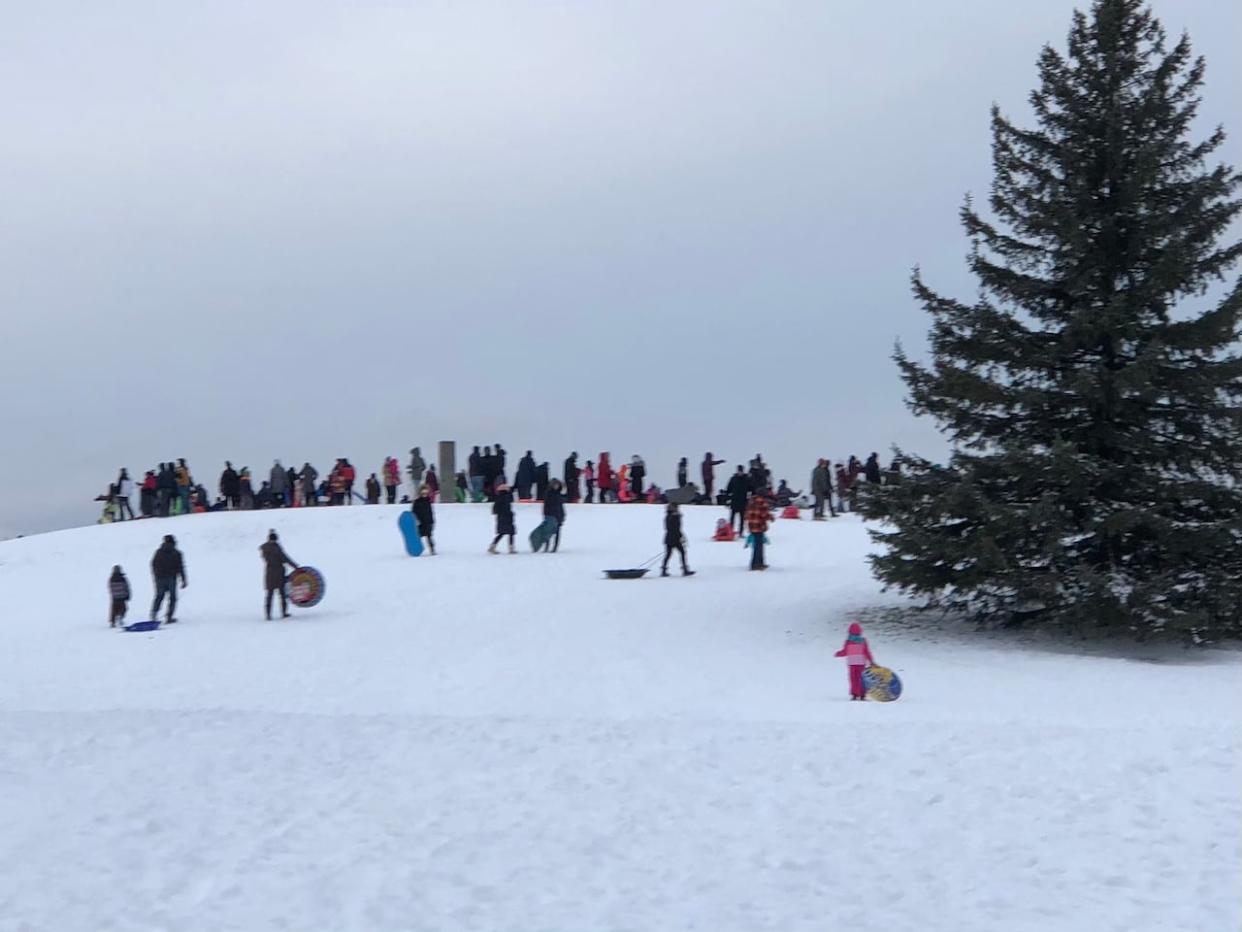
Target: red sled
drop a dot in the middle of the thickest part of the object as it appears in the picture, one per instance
(791, 511)
(724, 531)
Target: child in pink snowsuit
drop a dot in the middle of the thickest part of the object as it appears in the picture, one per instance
(858, 656)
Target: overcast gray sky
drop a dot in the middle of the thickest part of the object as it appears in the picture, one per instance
(308, 230)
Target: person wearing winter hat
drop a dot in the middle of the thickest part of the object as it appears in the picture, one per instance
(674, 540)
(502, 508)
(858, 657)
(274, 561)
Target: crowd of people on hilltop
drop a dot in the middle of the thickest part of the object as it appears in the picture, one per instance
(171, 489)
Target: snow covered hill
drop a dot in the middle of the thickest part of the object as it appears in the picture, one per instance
(512, 742)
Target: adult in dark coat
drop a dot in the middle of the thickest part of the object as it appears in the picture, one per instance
(674, 540)
(525, 475)
(709, 474)
(230, 487)
(683, 473)
(490, 465)
(167, 566)
(638, 472)
(541, 481)
(572, 472)
(474, 469)
(166, 486)
(554, 507)
(502, 508)
(274, 561)
(738, 491)
(277, 479)
(872, 468)
(425, 516)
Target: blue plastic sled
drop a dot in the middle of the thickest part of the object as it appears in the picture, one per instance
(143, 626)
(543, 533)
(409, 532)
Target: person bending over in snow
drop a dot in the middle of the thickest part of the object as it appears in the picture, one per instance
(674, 540)
(858, 657)
(274, 560)
(502, 508)
(118, 589)
(425, 516)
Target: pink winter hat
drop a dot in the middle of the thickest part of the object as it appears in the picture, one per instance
(855, 628)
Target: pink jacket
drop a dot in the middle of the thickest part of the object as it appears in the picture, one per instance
(856, 653)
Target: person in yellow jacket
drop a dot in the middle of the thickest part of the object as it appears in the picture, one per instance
(184, 484)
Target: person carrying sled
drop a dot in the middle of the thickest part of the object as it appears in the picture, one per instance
(502, 508)
(424, 515)
(554, 508)
(118, 591)
(167, 566)
(858, 657)
(274, 561)
(674, 540)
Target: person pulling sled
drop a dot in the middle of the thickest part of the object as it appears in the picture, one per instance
(674, 540)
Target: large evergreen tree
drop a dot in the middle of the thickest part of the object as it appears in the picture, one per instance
(1091, 399)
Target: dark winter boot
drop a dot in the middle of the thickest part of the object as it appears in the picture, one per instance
(686, 572)
(664, 571)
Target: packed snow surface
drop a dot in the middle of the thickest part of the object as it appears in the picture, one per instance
(470, 741)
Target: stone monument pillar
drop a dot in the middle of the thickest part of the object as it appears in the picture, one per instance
(446, 468)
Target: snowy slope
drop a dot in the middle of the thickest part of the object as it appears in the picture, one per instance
(511, 742)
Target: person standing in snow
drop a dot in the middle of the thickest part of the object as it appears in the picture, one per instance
(432, 483)
(184, 483)
(525, 477)
(858, 657)
(276, 481)
(572, 472)
(871, 469)
(758, 519)
(424, 515)
(167, 566)
(738, 490)
(308, 477)
(417, 467)
(392, 478)
(502, 508)
(123, 485)
(606, 479)
(588, 476)
(554, 507)
(274, 561)
(638, 472)
(541, 481)
(147, 496)
(245, 489)
(674, 540)
(474, 469)
(683, 473)
(709, 474)
(821, 488)
(229, 490)
(373, 490)
(118, 591)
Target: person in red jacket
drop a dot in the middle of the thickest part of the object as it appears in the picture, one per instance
(858, 657)
(348, 475)
(605, 479)
(758, 518)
